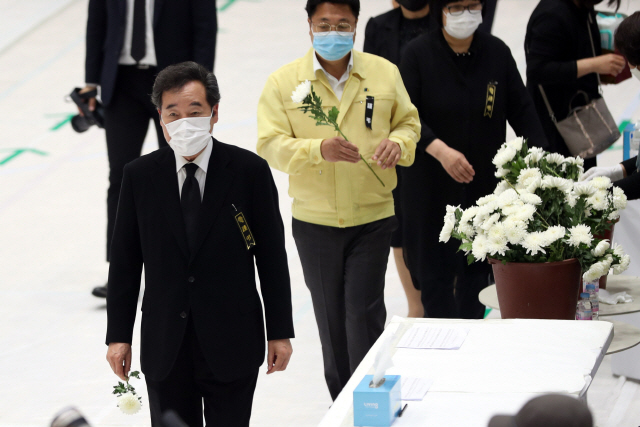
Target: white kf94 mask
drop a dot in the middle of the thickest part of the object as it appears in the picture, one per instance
(189, 135)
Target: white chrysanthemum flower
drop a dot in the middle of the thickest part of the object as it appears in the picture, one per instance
(497, 233)
(516, 144)
(504, 155)
(593, 273)
(501, 173)
(579, 161)
(600, 248)
(530, 198)
(468, 214)
(490, 221)
(555, 158)
(535, 155)
(467, 229)
(301, 92)
(534, 243)
(598, 200)
(613, 216)
(479, 247)
(530, 179)
(618, 250)
(507, 198)
(524, 213)
(584, 188)
(497, 248)
(501, 187)
(619, 198)
(554, 233)
(625, 260)
(486, 199)
(129, 403)
(601, 182)
(561, 184)
(447, 229)
(571, 199)
(515, 231)
(580, 234)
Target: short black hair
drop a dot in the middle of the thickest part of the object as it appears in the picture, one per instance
(627, 39)
(312, 5)
(175, 77)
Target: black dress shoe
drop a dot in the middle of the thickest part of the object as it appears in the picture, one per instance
(100, 291)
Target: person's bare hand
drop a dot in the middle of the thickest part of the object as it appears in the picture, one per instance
(453, 161)
(387, 154)
(91, 101)
(610, 64)
(119, 357)
(278, 355)
(338, 149)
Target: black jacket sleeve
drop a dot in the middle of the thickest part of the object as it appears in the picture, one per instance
(546, 51)
(271, 256)
(205, 29)
(521, 112)
(631, 184)
(96, 35)
(125, 268)
(411, 76)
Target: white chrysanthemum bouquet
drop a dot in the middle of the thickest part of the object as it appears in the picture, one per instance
(539, 212)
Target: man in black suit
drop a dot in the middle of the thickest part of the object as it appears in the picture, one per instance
(198, 214)
(128, 43)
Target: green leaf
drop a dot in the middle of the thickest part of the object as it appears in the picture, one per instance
(135, 374)
(333, 115)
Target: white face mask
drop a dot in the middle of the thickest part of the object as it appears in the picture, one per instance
(463, 25)
(189, 135)
(635, 73)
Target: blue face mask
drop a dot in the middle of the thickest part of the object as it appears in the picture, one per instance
(332, 45)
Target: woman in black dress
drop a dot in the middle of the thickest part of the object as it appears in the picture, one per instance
(560, 57)
(466, 87)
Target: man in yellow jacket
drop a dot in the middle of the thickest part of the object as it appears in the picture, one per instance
(343, 215)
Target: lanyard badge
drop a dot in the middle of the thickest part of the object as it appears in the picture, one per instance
(368, 112)
(244, 229)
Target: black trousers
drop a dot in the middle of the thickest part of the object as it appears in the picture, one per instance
(126, 121)
(344, 269)
(190, 382)
(451, 296)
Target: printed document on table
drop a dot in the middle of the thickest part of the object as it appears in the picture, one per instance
(425, 336)
(415, 388)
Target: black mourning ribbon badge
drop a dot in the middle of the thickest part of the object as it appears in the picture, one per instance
(368, 112)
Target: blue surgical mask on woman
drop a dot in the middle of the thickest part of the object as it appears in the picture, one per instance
(332, 45)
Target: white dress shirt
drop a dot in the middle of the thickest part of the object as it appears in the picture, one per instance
(125, 54)
(336, 85)
(201, 173)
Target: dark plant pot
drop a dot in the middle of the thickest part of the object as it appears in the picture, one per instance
(609, 236)
(546, 290)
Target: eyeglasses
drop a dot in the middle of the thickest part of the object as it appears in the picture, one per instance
(474, 9)
(342, 27)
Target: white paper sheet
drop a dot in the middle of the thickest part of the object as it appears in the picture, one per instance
(430, 337)
(415, 388)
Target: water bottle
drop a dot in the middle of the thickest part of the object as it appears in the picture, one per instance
(595, 303)
(584, 307)
(634, 141)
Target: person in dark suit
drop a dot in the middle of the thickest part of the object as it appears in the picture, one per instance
(128, 43)
(467, 88)
(561, 60)
(197, 215)
(387, 35)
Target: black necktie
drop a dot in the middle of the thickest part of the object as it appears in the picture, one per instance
(190, 201)
(139, 35)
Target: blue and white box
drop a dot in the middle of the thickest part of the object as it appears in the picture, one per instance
(377, 406)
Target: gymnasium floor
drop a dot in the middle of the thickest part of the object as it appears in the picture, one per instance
(53, 186)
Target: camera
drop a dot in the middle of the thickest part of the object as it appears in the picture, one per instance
(82, 123)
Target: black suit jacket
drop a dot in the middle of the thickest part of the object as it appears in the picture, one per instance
(216, 284)
(183, 30)
(382, 35)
